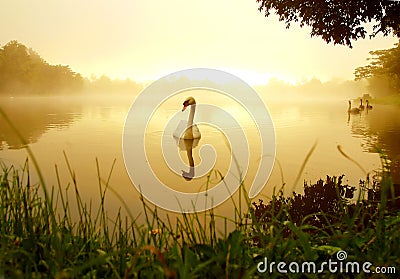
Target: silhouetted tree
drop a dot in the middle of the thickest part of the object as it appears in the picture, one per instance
(23, 71)
(383, 70)
(338, 21)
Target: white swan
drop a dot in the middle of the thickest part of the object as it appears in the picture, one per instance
(186, 129)
(353, 110)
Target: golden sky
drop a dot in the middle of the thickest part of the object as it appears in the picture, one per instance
(144, 40)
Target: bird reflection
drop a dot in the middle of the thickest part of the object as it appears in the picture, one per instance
(350, 115)
(189, 151)
(188, 145)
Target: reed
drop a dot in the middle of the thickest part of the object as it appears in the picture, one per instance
(94, 245)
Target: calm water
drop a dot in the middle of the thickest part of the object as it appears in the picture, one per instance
(87, 129)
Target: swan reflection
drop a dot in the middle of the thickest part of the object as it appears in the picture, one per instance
(188, 145)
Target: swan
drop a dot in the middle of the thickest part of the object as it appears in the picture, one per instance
(186, 129)
(368, 105)
(353, 110)
(361, 107)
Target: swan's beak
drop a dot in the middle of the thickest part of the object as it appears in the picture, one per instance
(185, 105)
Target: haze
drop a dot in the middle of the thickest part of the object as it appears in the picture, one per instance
(144, 40)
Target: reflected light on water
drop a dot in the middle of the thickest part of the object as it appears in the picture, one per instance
(90, 128)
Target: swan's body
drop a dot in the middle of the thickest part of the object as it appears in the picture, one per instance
(361, 107)
(186, 129)
(184, 132)
(353, 110)
(368, 105)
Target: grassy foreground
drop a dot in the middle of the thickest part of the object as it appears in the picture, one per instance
(40, 239)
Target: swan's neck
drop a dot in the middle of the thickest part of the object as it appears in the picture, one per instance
(191, 115)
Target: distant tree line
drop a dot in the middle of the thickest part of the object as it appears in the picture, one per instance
(106, 85)
(24, 72)
(383, 72)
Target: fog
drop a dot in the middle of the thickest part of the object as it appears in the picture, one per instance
(312, 90)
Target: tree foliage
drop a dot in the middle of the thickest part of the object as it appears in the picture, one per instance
(338, 21)
(383, 68)
(23, 71)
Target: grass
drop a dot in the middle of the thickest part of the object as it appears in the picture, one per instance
(40, 238)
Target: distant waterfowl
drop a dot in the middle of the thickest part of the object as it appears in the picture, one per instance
(361, 107)
(353, 110)
(368, 105)
(188, 130)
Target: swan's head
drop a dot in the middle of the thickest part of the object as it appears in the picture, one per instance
(188, 102)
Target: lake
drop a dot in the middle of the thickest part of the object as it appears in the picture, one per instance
(90, 128)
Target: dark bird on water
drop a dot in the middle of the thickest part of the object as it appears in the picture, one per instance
(353, 110)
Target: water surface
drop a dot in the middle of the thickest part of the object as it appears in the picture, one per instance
(90, 128)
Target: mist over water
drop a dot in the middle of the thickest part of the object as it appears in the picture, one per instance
(90, 128)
